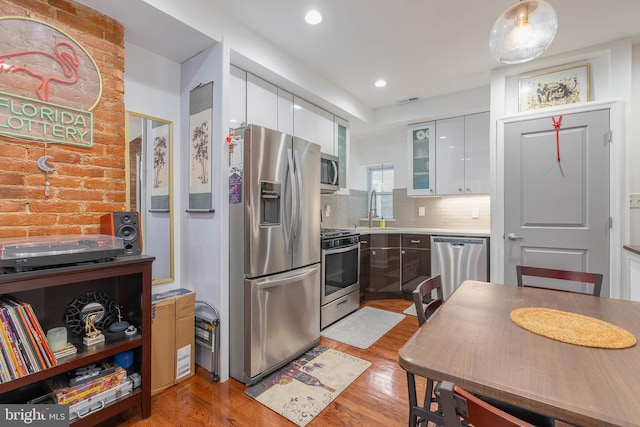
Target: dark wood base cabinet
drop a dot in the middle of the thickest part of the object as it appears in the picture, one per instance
(384, 266)
(127, 281)
(364, 266)
(416, 262)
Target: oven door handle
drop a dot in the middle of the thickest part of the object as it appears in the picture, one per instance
(341, 250)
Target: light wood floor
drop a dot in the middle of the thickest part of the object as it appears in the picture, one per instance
(377, 398)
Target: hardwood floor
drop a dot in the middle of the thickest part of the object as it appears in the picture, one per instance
(377, 398)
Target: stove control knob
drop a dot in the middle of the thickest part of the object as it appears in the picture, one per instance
(353, 239)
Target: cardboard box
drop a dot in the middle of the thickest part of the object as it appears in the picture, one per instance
(185, 336)
(172, 338)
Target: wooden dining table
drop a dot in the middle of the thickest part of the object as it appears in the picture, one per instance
(472, 342)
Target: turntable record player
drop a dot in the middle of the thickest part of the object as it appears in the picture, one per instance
(46, 251)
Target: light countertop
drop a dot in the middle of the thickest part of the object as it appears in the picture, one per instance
(634, 249)
(431, 231)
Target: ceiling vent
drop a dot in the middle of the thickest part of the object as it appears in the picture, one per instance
(408, 100)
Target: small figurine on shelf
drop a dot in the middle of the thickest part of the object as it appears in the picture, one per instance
(92, 334)
(131, 330)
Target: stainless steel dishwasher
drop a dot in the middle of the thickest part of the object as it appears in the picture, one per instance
(458, 259)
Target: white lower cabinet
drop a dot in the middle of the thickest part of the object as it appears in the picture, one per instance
(634, 276)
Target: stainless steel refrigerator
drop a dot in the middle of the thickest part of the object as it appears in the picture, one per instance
(274, 240)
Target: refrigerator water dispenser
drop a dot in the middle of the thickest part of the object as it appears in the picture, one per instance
(269, 203)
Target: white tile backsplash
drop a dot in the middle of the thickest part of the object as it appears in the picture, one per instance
(454, 212)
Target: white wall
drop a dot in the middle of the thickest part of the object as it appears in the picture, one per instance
(205, 246)
(387, 147)
(152, 88)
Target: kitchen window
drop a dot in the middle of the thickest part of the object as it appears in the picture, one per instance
(381, 179)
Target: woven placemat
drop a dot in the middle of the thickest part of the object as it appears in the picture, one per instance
(572, 328)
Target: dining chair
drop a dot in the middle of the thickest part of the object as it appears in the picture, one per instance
(422, 298)
(594, 279)
(425, 307)
(458, 405)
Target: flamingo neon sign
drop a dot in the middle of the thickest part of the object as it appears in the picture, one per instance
(66, 61)
(49, 84)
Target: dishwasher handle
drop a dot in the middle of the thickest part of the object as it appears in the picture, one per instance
(459, 241)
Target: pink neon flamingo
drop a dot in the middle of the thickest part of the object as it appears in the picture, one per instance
(68, 61)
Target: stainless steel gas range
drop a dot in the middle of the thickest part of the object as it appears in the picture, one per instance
(340, 274)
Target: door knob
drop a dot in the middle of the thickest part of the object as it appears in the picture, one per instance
(512, 236)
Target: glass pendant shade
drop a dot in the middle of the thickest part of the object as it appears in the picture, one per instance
(523, 31)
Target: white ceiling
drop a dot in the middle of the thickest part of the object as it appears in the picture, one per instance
(423, 48)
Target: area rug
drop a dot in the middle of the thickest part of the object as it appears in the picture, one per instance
(411, 310)
(363, 327)
(303, 388)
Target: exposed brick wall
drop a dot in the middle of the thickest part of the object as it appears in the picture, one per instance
(86, 183)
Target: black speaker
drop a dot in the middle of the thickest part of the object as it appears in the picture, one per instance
(125, 225)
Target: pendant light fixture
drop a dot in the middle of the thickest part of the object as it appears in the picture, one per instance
(523, 31)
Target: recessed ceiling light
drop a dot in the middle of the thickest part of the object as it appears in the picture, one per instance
(380, 83)
(313, 17)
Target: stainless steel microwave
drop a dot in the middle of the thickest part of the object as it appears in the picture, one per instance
(329, 182)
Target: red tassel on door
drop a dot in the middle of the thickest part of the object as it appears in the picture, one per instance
(556, 125)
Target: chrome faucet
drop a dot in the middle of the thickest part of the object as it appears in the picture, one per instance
(372, 207)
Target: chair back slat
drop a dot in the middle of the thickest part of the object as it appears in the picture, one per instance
(594, 279)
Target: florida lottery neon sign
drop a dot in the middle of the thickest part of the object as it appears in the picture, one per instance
(49, 84)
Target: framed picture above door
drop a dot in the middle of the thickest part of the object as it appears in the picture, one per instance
(554, 87)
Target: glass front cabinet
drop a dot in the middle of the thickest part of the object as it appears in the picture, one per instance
(421, 148)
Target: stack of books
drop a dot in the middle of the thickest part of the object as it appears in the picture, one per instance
(69, 350)
(24, 346)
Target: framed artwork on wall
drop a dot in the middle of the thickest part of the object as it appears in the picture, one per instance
(200, 148)
(554, 87)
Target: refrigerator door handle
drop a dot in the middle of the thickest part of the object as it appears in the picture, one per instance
(282, 280)
(299, 206)
(289, 230)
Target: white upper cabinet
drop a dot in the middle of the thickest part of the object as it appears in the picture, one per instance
(262, 102)
(476, 154)
(341, 138)
(462, 155)
(285, 112)
(450, 156)
(421, 149)
(304, 119)
(238, 98)
(325, 131)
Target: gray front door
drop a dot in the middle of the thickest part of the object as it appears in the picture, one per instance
(557, 211)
